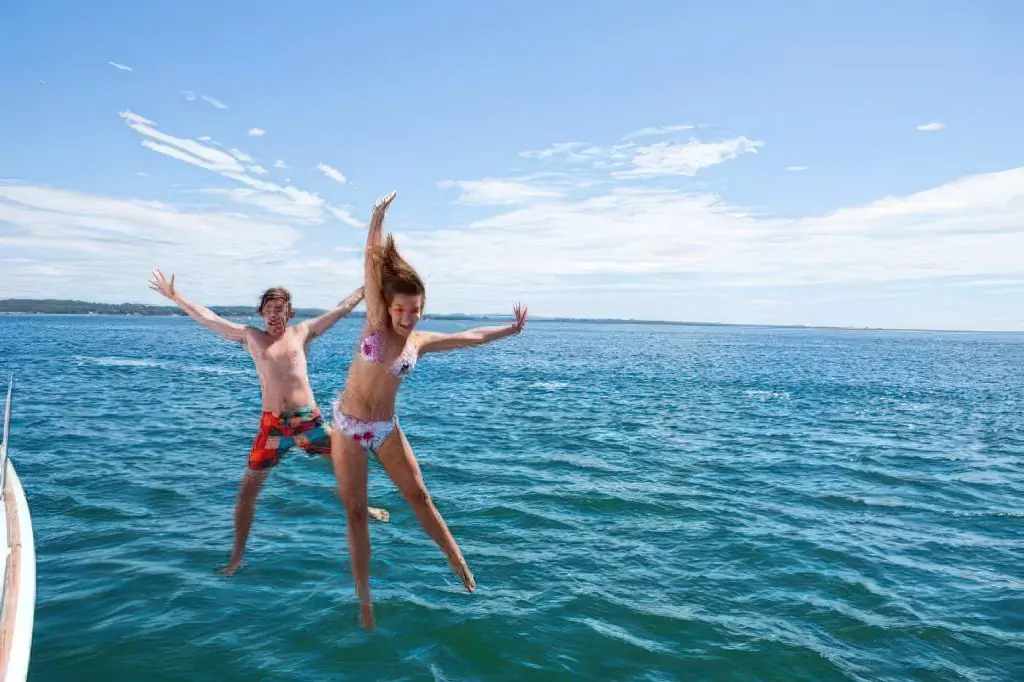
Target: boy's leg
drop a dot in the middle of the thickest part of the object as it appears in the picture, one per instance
(264, 455)
(245, 509)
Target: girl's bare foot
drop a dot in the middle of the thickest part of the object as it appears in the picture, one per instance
(231, 568)
(381, 515)
(366, 615)
(461, 569)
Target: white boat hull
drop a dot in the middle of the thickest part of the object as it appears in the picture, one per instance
(17, 613)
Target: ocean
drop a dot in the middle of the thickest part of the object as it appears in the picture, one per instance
(637, 502)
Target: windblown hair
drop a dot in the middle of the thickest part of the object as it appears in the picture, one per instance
(275, 294)
(396, 275)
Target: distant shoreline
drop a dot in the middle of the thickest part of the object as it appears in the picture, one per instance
(31, 306)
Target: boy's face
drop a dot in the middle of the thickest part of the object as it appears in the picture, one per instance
(276, 314)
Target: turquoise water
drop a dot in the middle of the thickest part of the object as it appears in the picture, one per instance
(637, 503)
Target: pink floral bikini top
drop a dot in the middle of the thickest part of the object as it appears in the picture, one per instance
(372, 348)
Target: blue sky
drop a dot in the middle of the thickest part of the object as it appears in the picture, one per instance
(680, 198)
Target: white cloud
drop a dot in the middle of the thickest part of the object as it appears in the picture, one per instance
(653, 132)
(287, 201)
(192, 97)
(214, 101)
(628, 159)
(280, 164)
(931, 127)
(122, 67)
(796, 169)
(332, 173)
(965, 230)
(135, 118)
(626, 252)
(950, 256)
(257, 132)
(555, 150)
(665, 158)
(491, 191)
(189, 151)
(240, 155)
(308, 207)
(344, 215)
(84, 246)
(580, 153)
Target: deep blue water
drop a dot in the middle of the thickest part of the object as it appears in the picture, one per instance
(637, 503)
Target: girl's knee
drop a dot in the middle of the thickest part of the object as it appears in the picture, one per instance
(356, 513)
(419, 496)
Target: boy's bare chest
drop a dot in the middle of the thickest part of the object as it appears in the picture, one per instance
(287, 350)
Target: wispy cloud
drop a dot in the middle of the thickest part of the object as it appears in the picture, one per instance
(332, 173)
(214, 101)
(191, 97)
(236, 165)
(135, 118)
(968, 228)
(240, 155)
(630, 159)
(796, 169)
(491, 191)
(652, 132)
(121, 67)
(618, 248)
(296, 204)
(280, 164)
(665, 158)
(257, 132)
(931, 127)
(555, 150)
(94, 247)
(344, 215)
(579, 153)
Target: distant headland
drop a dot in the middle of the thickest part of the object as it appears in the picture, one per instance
(53, 306)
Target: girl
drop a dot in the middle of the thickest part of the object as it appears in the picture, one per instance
(364, 414)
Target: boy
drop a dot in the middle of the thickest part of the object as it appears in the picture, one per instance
(290, 414)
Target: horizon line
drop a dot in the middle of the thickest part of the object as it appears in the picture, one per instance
(487, 316)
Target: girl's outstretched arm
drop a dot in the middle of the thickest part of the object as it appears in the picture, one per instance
(376, 307)
(432, 342)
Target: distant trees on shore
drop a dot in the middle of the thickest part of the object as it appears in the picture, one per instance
(53, 306)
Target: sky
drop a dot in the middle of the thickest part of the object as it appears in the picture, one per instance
(824, 163)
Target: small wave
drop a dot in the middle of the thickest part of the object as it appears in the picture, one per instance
(119, 362)
(621, 634)
(550, 385)
(765, 396)
(212, 369)
(161, 364)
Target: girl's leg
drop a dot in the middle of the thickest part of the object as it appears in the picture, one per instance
(398, 460)
(349, 460)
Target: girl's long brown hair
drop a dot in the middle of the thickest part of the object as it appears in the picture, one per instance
(396, 275)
